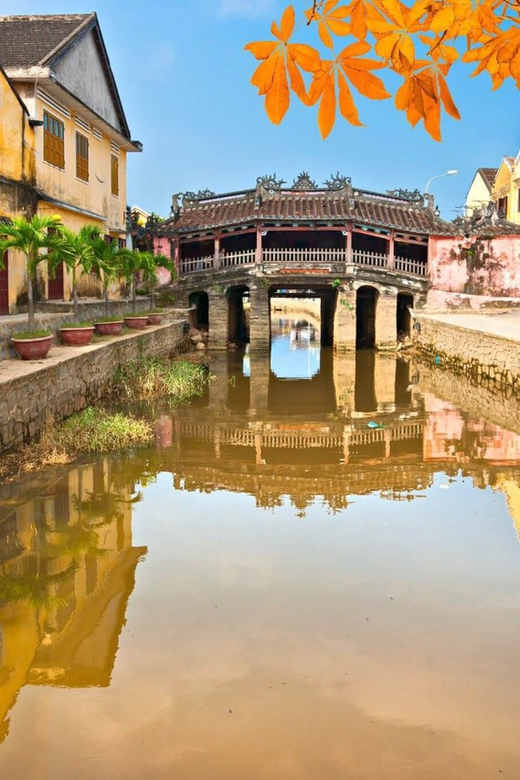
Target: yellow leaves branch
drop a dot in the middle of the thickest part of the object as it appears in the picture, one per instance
(419, 42)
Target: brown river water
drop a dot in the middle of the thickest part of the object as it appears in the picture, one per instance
(313, 575)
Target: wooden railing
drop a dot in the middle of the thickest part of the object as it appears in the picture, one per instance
(230, 259)
(307, 255)
(373, 259)
(286, 256)
(300, 439)
(416, 267)
(191, 265)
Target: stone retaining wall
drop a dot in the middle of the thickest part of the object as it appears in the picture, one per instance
(64, 384)
(52, 315)
(489, 358)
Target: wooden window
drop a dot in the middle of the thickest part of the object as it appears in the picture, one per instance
(122, 243)
(518, 204)
(114, 174)
(81, 156)
(53, 140)
(502, 207)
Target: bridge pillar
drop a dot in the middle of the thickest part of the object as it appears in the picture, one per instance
(386, 317)
(344, 367)
(384, 381)
(259, 384)
(345, 320)
(259, 317)
(218, 320)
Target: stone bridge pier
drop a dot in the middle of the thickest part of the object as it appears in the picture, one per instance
(359, 310)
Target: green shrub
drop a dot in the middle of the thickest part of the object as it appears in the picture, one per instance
(26, 335)
(97, 430)
(151, 378)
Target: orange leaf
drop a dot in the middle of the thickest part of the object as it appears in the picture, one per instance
(277, 99)
(297, 82)
(369, 85)
(447, 99)
(307, 58)
(325, 35)
(263, 76)
(327, 109)
(261, 49)
(432, 119)
(287, 25)
(346, 102)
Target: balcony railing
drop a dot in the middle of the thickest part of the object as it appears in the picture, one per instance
(416, 267)
(307, 255)
(286, 256)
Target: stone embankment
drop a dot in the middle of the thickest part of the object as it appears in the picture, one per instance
(70, 378)
(484, 347)
(51, 315)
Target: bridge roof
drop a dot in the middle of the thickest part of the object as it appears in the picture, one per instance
(406, 212)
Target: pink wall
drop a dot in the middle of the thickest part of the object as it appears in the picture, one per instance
(161, 246)
(473, 269)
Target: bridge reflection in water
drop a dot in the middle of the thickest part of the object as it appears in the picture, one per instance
(67, 558)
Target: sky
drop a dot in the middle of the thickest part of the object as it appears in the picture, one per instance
(183, 77)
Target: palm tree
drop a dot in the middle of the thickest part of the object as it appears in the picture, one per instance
(107, 261)
(75, 251)
(157, 261)
(31, 237)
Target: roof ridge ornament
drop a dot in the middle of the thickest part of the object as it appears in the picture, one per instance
(190, 197)
(270, 183)
(304, 182)
(338, 182)
(412, 196)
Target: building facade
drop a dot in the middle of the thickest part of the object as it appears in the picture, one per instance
(60, 70)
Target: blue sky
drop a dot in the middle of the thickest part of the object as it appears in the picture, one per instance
(184, 79)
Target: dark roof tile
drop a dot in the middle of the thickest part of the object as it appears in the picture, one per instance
(338, 206)
(27, 41)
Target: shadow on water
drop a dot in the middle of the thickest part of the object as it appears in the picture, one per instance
(391, 524)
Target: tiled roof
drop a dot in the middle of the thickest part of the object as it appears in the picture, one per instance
(31, 40)
(320, 206)
(488, 174)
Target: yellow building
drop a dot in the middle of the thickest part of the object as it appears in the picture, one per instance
(479, 193)
(17, 195)
(505, 192)
(60, 69)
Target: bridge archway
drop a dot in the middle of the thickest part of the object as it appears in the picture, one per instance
(403, 318)
(366, 308)
(238, 314)
(200, 301)
(298, 292)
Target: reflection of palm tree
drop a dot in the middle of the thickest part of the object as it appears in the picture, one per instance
(105, 505)
(35, 589)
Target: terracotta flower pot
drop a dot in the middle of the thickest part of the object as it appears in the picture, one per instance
(138, 323)
(32, 349)
(76, 337)
(109, 328)
(155, 319)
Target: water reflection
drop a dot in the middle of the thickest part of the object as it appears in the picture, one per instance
(295, 347)
(374, 605)
(66, 571)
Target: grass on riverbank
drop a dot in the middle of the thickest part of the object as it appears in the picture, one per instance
(153, 378)
(89, 431)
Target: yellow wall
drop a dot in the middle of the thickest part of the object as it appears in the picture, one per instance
(478, 194)
(505, 186)
(17, 167)
(63, 185)
(16, 140)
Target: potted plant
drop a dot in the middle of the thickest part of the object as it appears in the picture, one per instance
(31, 237)
(109, 326)
(136, 321)
(77, 334)
(32, 344)
(155, 316)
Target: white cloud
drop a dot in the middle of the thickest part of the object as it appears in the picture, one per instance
(246, 8)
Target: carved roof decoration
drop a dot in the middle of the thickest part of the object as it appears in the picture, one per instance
(304, 182)
(487, 221)
(336, 204)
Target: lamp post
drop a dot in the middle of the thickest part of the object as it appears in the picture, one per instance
(439, 176)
